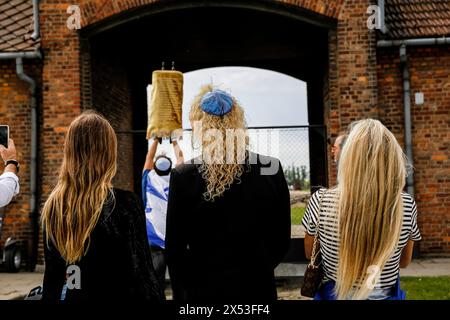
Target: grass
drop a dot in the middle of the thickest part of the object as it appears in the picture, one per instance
(426, 288)
(297, 215)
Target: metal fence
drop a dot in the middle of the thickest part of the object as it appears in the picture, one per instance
(301, 150)
(291, 146)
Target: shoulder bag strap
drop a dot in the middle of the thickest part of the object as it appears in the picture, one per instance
(315, 252)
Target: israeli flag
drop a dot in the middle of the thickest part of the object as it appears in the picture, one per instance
(155, 200)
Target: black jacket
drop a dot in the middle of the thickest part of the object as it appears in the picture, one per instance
(227, 249)
(118, 264)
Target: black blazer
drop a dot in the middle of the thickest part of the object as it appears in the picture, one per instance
(227, 249)
(118, 263)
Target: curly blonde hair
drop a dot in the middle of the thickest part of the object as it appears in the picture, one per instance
(225, 166)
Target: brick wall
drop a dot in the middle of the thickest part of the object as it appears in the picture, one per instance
(351, 91)
(430, 73)
(61, 85)
(60, 90)
(331, 109)
(15, 111)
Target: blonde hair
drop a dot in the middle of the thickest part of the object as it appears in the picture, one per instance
(371, 177)
(220, 173)
(84, 184)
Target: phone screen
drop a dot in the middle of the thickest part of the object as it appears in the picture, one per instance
(4, 135)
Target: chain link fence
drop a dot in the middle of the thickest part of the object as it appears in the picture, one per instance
(291, 146)
(301, 150)
(295, 146)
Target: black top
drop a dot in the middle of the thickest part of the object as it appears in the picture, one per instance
(227, 249)
(118, 263)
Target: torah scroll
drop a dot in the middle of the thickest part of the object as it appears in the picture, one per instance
(164, 108)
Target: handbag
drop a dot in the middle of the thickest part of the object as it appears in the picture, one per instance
(313, 273)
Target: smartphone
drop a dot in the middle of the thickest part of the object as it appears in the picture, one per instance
(4, 135)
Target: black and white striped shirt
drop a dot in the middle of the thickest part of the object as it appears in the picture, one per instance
(329, 238)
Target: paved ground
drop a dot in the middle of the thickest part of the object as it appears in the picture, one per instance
(17, 285)
(427, 268)
(417, 268)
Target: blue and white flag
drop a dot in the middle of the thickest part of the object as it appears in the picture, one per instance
(155, 194)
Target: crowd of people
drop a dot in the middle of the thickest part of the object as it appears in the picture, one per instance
(219, 223)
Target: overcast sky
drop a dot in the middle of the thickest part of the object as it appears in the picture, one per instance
(269, 98)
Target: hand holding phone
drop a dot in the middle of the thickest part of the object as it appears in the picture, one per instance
(8, 153)
(4, 135)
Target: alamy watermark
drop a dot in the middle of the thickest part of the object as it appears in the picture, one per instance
(375, 21)
(374, 276)
(230, 147)
(74, 20)
(73, 278)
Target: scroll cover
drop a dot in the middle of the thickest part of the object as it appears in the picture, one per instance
(164, 109)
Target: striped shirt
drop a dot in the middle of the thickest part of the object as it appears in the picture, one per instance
(329, 238)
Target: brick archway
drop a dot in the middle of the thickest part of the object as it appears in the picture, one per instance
(350, 91)
(111, 93)
(95, 11)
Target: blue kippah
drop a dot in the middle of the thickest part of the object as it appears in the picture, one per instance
(216, 102)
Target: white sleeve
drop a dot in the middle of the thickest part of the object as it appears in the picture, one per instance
(9, 187)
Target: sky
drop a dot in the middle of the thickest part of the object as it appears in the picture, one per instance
(269, 99)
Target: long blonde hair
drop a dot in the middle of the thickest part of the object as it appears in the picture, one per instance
(219, 173)
(74, 206)
(371, 177)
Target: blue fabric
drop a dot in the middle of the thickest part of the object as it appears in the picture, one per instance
(155, 199)
(63, 292)
(156, 193)
(144, 185)
(398, 293)
(216, 102)
(153, 239)
(326, 291)
(148, 187)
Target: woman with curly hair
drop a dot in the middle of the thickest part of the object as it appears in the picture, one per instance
(228, 216)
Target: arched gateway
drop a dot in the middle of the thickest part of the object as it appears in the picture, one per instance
(108, 62)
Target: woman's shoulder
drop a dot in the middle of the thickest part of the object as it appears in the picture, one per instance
(190, 167)
(409, 205)
(321, 196)
(125, 201)
(325, 192)
(123, 195)
(407, 197)
(124, 205)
